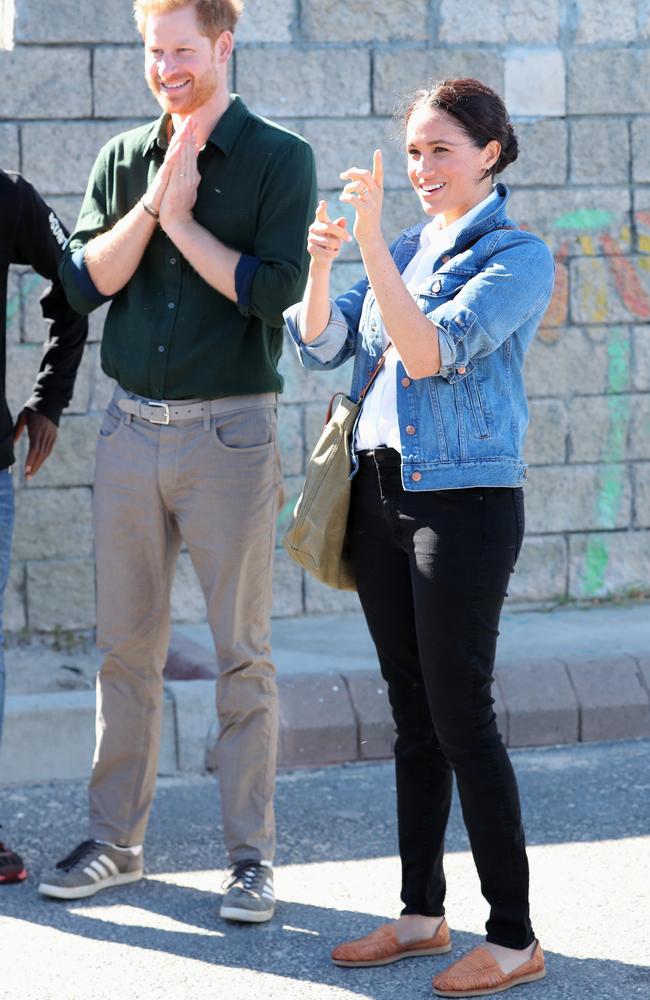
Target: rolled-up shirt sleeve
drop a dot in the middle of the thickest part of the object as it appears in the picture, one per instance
(515, 284)
(329, 344)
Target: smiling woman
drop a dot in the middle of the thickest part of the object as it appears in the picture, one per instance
(436, 516)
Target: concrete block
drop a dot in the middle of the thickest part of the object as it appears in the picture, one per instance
(339, 143)
(320, 599)
(639, 445)
(10, 147)
(641, 198)
(14, 615)
(578, 498)
(557, 312)
(541, 570)
(500, 21)
(593, 221)
(293, 81)
(641, 353)
(641, 150)
(188, 602)
(13, 312)
(369, 696)
(542, 153)
(609, 82)
(287, 579)
(641, 477)
(547, 433)
(592, 142)
(365, 21)
(535, 82)
(61, 595)
(542, 706)
(189, 661)
(317, 723)
(345, 274)
(609, 564)
(63, 751)
(24, 360)
(195, 711)
(501, 712)
(610, 290)
(40, 82)
(613, 702)
(581, 361)
(643, 663)
(265, 21)
(600, 428)
(72, 463)
(596, 24)
(72, 151)
(127, 94)
(69, 21)
(396, 76)
(301, 386)
(290, 439)
(52, 523)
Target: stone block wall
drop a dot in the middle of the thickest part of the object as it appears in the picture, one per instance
(574, 77)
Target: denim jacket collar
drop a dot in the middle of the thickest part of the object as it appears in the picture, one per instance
(491, 217)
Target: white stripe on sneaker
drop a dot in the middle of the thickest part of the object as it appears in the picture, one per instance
(91, 874)
(99, 868)
(110, 864)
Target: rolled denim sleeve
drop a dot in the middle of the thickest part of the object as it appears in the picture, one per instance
(326, 348)
(515, 284)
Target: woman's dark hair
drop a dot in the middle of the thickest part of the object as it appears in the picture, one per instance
(477, 109)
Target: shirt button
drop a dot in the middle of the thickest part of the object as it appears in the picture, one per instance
(410, 429)
(406, 382)
(171, 305)
(172, 260)
(416, 476)
(161, 349)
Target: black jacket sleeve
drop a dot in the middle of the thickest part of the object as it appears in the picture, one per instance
(39, 241)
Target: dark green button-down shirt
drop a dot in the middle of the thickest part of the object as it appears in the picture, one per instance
(169, 334)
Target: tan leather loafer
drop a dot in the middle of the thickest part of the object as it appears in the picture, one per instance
(381, 947)
(478, 974)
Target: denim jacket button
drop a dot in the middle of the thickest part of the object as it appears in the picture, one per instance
(446, 259)
(437, 285)
(406, 382)
(461, 371)
(416, 476)
(410, 429)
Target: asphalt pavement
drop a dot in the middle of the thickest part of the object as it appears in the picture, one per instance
(587, 814)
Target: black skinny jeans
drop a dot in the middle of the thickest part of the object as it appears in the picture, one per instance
(432, 570)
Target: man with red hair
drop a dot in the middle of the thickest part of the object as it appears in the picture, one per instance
(194, 227)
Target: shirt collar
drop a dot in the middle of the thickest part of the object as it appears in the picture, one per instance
(433, 233)
(224, 134)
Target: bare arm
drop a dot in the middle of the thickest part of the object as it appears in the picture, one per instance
(324, 242)
(414, 336)
(212, 259)
(113, 257)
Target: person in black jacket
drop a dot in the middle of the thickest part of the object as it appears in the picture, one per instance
(31, 233)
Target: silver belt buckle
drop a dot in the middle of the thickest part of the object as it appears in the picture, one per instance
(165, 414)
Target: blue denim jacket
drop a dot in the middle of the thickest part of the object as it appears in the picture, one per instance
(470, 418)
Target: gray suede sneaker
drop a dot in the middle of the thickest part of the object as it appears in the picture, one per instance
(91, 867)
(249, 893)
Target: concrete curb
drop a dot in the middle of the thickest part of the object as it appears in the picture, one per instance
(330, 718)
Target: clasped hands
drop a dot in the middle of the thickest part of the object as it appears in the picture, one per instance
(173, 191)
(364, 190)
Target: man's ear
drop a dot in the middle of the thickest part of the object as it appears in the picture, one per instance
(224, 46)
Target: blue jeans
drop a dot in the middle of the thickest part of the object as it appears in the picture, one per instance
(6, 529)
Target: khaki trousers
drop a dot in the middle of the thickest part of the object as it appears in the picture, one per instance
(212, 484)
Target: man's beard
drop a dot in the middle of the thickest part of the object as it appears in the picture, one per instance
(200, 92)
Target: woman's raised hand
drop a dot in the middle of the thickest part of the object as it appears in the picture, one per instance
(326, 236)
(365, 192)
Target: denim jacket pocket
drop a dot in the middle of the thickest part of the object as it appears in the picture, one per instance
(475, 401)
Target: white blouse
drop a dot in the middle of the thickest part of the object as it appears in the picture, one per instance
(378, 424)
